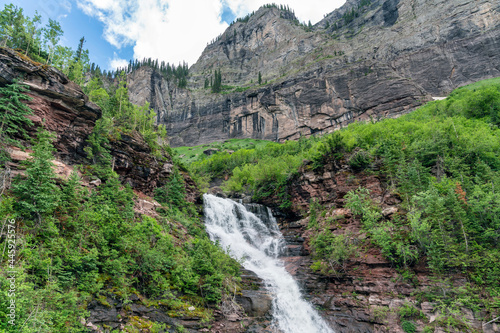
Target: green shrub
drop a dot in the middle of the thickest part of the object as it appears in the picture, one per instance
(409, 311)
(359, 160)
(37, 194)
(331, 252)
(13, 119)
(173, 193)
(394, 245)
(331, 147)
(408, 327)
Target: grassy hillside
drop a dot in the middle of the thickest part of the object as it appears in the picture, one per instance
(188, 155)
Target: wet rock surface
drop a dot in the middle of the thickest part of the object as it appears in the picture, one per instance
(256, 303)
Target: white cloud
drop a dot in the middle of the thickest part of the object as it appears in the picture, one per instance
(178, 30)
(169, 30)
(65, 4)
(54, 9)
(117, 62)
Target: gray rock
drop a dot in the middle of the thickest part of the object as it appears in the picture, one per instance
(255, 303)
(210, 151)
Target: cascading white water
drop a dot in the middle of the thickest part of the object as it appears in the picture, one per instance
(259, 245)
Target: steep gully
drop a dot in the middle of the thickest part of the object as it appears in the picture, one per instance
(259, 243)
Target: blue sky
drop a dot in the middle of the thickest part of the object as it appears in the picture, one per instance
(170, 30)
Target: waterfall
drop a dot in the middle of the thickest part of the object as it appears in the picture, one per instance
(259, 243)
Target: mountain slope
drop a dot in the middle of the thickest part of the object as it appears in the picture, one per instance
(365, 60)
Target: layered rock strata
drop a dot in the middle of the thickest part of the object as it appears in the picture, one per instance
(368, 294)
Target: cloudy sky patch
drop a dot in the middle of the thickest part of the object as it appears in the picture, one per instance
(179, 30)
(174, 31)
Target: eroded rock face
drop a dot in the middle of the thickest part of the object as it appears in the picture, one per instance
(61, 107)
(390, 59)
(366, 296)
(57, 103)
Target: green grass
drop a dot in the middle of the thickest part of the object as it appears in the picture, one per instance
(188, 155)
(480, 84)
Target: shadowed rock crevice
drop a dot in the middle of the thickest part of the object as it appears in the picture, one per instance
(390, 8)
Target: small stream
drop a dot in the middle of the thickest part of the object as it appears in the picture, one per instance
(260, 243)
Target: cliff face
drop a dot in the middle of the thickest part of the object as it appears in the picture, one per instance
(61, 107)
(385, 60)
(57, 103)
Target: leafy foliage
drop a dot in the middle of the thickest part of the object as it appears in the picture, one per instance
(119, 117)
(20, 32)
(173, 192)
(331, 251)
(408, 327)
(92, 242)
(331, 147)
(359, 160)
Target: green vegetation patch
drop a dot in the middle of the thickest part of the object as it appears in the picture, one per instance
(188, 155)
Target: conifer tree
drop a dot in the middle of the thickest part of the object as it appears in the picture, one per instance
(37, 194)
(173, 192)
(13, 114)
(217, 83)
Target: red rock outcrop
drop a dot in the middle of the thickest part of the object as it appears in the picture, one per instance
(57, 103)
(61, 107)
(367, 295)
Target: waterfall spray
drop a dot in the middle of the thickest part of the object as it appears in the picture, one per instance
(259, 244)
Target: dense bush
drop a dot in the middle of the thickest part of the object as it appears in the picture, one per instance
(14, 113)
(331, 251)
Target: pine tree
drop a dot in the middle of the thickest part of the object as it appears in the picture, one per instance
(217, 83)
(173, 192)
(37, 194)
(260, 78)
(79, 50)
(13, 115)
(71, 194)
